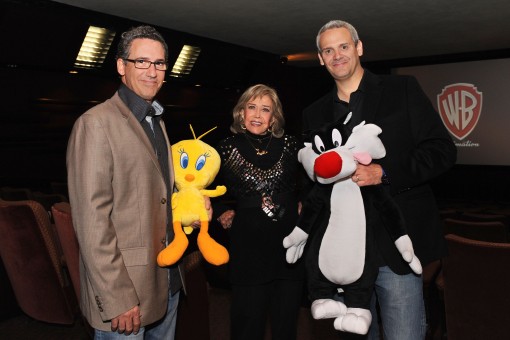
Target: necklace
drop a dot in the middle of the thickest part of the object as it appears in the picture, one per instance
(259, 140)
(260, 151)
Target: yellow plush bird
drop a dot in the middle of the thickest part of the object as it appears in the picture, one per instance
(196, 164)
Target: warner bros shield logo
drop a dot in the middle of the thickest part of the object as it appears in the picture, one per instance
(460, 106)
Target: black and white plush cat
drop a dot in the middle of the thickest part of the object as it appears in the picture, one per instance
(335, 221)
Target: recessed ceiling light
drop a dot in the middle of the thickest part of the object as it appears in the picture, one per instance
(184, 63)
(94, 48)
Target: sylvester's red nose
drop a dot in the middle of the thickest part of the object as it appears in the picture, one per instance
(328, 165)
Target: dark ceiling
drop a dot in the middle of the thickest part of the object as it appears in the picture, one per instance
(242, 41)
(46, 35)
(389, 29)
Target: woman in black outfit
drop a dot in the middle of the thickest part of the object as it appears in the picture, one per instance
(260, 168)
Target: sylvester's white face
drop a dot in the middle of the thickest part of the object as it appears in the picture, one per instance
(329, 165)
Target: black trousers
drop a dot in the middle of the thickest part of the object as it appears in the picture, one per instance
(252, 306)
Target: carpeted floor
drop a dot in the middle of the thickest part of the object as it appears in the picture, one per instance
(308, 328)
(24, 328)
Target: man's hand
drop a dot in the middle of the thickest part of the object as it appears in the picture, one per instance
(208, 208)
(128, 322)
(367, 174)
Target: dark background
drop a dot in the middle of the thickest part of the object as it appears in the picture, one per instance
(40, 99)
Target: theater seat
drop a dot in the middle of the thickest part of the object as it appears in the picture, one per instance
(33, 263)
(476, 279)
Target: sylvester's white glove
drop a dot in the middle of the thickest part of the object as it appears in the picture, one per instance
(295, 243)
(405, 247)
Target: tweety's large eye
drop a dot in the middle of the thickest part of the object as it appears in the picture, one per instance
(336, 137)
(200, 162)
(319, 144)
(184, 160)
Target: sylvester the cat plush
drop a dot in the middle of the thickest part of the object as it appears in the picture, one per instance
(335, 222)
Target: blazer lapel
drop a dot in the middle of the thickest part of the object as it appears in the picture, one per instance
(170, 162)
(370, 103)
(139, 132)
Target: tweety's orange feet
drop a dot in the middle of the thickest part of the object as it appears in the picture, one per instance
(174, 251)
(213, 252)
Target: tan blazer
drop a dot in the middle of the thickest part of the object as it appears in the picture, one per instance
(119, 208)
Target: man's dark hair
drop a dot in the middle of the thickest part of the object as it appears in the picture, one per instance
(140, 32)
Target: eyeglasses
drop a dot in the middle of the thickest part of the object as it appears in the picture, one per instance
(145, 64)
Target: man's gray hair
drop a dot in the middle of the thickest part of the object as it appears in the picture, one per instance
(337, 24)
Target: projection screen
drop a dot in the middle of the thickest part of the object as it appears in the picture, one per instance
(473, 100)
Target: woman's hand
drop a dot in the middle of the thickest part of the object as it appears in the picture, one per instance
(226, 219)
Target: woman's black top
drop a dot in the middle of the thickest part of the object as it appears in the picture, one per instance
(256, 236)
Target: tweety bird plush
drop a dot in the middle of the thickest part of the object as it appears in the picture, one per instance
(196, 164)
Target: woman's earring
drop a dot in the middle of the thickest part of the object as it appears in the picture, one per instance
(243, 126)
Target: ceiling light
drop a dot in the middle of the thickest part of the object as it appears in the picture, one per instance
(304, 56)
(184, 63)
(95, 47)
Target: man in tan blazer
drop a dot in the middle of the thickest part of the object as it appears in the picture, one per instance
(120, 180)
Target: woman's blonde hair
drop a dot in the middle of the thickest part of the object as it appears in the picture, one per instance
(258, 91)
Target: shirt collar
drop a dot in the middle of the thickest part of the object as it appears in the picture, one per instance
(366, 80)
(139, 106)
